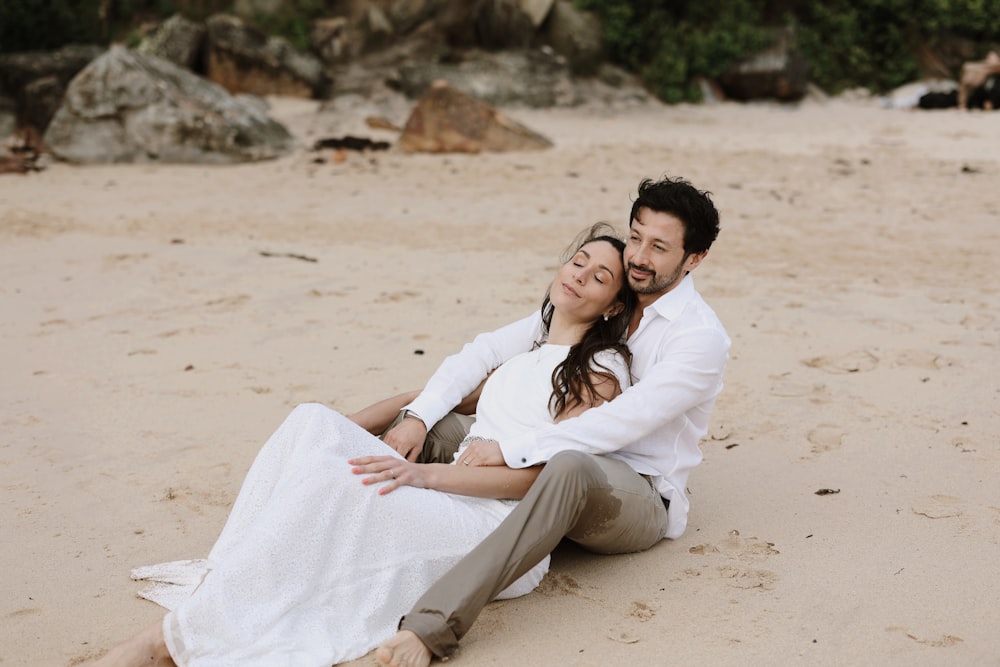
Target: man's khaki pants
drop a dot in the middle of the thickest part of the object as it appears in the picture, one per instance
(600, 503)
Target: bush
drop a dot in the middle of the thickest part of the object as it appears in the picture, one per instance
(871, 43)
(30, 25)
(670, 47)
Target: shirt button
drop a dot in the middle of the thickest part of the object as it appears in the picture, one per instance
(524, 460)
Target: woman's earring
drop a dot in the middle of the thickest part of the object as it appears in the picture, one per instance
(605, 317)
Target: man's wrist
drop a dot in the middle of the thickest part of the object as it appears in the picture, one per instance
(407, 414)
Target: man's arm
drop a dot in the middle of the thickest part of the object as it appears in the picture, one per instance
(460, 374)
(689, 374)
(458, 379)
(376, 417)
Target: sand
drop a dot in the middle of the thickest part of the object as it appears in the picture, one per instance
(148, 348)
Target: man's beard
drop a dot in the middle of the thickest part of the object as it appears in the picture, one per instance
(656, 283)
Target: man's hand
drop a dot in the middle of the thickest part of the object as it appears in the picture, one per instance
(482, 452)
(407, 438)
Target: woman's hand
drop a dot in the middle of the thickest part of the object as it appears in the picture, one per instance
(393, 471)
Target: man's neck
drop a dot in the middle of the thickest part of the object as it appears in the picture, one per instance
(644, 301)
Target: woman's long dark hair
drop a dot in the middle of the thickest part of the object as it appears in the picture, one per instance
(571, 382)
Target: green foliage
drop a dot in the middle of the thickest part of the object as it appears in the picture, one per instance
(851, 43)
(30, 25)
(292, 21)
(872, 43)
(670, 44)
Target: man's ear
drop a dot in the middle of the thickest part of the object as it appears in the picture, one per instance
(694, 260)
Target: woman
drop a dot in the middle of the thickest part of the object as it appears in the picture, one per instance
(314, 568)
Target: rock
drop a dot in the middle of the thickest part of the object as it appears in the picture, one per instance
(780, 72)
(250, 9)
(8, 117)
(576, 35)
(38, 102)
(19, 69)
(447, 121)
(377, 27)
(405, 15)
(537, 10)
(488, 24)
(329, 39)
(531, 78)
(501, 24)
(242, 59)
(36, 80)
(131, 107)
(177, 39)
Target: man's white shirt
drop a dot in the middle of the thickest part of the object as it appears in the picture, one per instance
(679, 355)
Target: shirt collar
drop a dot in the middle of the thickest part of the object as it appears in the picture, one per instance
(670, 305)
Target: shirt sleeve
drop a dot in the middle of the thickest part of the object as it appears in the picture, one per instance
(611, 361)
(688, 373)
(462, 372)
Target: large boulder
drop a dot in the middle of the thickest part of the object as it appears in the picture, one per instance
(177, 39)
(536, 10)
(447, 121)
(130, 107)
(406, 15)
(533, 78)
(37, 80)
(780, 72)
(8, 117)
(488, 24)
(576, 35)
(242, 59)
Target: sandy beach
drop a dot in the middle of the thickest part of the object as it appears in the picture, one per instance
(157, 322)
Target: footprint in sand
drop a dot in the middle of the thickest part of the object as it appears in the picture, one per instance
(858, 361)
(825, 438)
(629, 630)
(944, 507)
(740, 555)
(783, 387)
(561, 584)
(643, 611)
(938, 507)
(923, 359)
(747, 577)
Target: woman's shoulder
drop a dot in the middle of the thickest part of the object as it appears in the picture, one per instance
(614, 361)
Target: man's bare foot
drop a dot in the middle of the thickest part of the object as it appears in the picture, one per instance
(404, 649)
(146, 648)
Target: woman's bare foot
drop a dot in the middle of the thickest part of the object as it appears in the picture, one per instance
(404, 649)
(146, 649)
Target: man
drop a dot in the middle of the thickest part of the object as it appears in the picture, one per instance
(974, 75)
(614, 477)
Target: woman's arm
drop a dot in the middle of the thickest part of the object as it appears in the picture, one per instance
(376, 417)
(482, 482)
